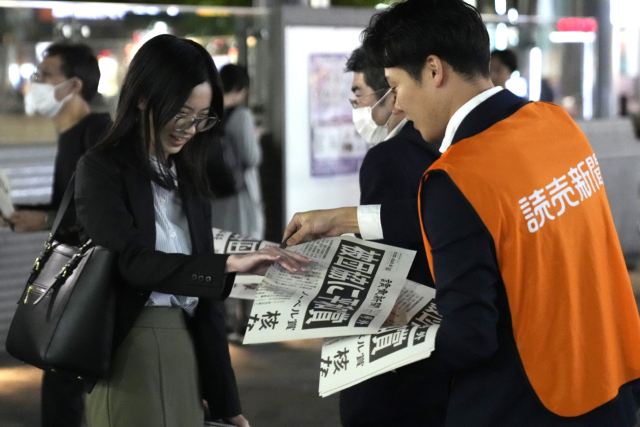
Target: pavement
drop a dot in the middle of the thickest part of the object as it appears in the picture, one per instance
(278, 385)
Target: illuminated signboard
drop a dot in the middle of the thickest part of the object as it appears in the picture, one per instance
(587, 25)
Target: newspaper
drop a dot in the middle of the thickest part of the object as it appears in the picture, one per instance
(408, 336)
(349, 288)
(6, 206)
(227, 242)
(416, 305)
(245, 286)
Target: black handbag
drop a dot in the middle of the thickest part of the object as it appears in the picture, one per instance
(65, 316)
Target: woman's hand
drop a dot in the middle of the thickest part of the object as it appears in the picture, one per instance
(239, 421)
(259, 262)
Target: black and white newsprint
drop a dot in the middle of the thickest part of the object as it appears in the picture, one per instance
(349, 288)
(408, 336)
(6, 206)
(226, 242)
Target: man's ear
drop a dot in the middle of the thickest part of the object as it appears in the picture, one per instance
(76, 85)
(433, 71)
(71, 86)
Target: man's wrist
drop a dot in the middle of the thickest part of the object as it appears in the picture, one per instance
(348, 220)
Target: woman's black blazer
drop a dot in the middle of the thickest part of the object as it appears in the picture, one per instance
(115, 208)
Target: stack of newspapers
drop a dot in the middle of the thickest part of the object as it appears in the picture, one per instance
(354, 294)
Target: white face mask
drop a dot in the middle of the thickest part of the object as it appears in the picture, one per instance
(368, 129)
(41, 99)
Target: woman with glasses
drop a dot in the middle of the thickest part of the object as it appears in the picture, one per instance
(143, 193)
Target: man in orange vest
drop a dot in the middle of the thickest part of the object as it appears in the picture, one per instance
(539, 324)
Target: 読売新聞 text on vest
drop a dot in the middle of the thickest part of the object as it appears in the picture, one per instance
(586, 179)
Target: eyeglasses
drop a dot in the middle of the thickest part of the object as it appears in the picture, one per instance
(355, 102)
(185, 122)
(39, 75)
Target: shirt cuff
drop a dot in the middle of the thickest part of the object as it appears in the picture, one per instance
(369, 222)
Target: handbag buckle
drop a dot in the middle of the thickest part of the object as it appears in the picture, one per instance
(27, 295)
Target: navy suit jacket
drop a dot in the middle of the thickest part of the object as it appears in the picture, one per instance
(411, 396)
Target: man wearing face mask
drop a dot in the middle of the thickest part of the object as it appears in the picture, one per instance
(392, 170)
(61, 89)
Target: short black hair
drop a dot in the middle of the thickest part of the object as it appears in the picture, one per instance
(407, 33)
(234, 77)
(373, 76)
(78, 61)
(507, 57)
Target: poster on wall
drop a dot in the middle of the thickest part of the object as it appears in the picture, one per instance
(336, 147)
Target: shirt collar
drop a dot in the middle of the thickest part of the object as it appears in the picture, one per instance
(396, 130)
(462, 112)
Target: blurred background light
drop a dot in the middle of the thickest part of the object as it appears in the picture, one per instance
(535, 74)
(89, 11)
(502, 36)
(67, 31)
(625, 13)
(26, 70)
(173, 11)
(40, 48)
(572, 37)
(14, 75)
(108, 85)
(517, 84)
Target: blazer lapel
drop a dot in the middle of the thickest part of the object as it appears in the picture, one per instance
(141, 199)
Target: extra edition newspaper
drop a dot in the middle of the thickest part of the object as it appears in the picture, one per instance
(349, 288)
(227, 242)
(408, 336)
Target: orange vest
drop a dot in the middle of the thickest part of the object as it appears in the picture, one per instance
(536, 185)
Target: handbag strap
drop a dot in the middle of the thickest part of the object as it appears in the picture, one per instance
(50, 244)
(64, 205)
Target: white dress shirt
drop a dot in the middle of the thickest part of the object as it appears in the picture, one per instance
(172, 236)
(369, 220)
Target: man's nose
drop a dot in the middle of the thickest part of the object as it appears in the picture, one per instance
(396, 109)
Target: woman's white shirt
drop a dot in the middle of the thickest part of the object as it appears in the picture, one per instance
(172, 236)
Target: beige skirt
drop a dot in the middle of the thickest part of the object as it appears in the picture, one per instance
(154, 381)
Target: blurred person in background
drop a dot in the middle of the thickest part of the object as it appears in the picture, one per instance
(243, 212)
(503, 64)
(391, 171)
(61, 89)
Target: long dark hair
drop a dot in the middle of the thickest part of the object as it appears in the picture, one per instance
(160, 79)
